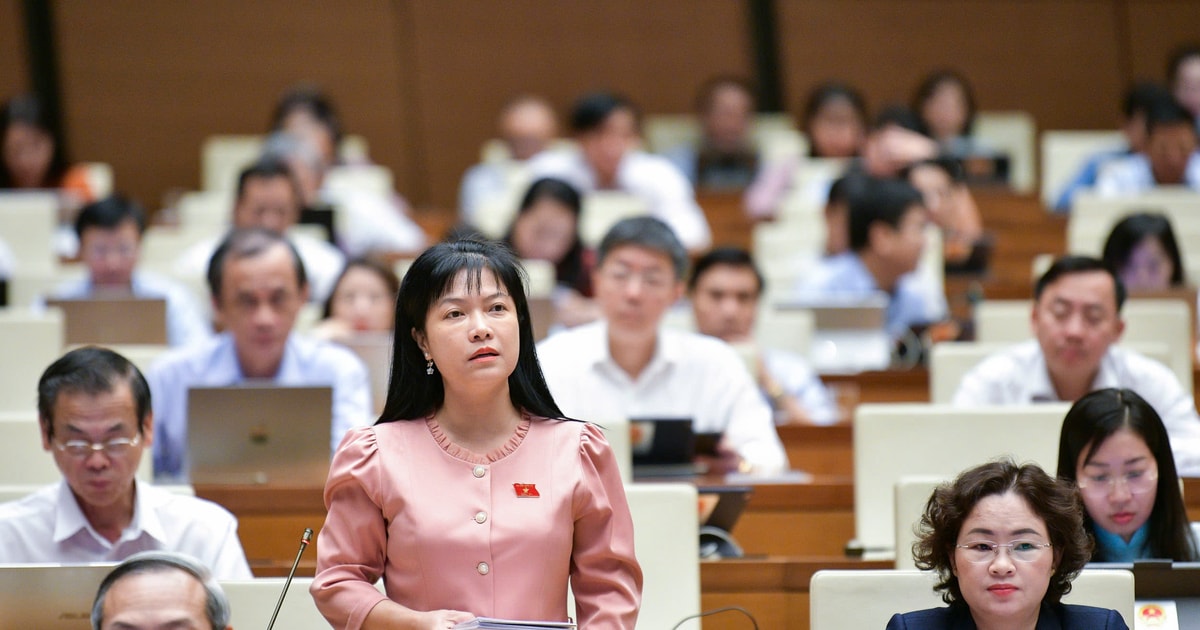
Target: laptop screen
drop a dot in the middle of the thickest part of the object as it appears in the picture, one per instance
(49, 596)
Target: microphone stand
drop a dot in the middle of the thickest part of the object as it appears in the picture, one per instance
(304, 540)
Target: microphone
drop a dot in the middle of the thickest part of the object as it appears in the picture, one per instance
(304, 540)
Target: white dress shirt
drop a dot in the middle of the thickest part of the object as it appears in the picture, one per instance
(1131, 175)
(322, 262)
(48, 526)
(369, 222)
(213, 363)
(1018, 376)
(690, 375)
(667, 193)
(185, 320)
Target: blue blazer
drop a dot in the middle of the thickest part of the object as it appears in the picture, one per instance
(1051, 617)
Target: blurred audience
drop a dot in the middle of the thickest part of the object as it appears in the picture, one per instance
(110, 242)
(1183, 74)
(1138, 99)
(526, 126)
(951, 207)
(1142, 250)
(607, 130)
(268, 198)
(945, 104)
(725, 157)
(1170, 157)
(363, 301)
(725, 289)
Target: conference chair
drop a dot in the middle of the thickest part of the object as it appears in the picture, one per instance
(1013, 133)
(602, 210)
(206, 209)
(868, 598)
(28, 221)
(27, 288)
(770, 132)
(372, 178)
(1065, 152)
(1147, 321)
(912, 493)
(31, 342)
(542, 279)
(1093, 216)
(666, 541)
(950, 360)
(895, 440)
(223, 156)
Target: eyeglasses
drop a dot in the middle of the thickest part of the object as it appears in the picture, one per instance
(981, 551)
(1136, 482)
(115, 447)
(649, 279)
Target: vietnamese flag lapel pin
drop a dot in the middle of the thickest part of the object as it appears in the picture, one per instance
(526, 490)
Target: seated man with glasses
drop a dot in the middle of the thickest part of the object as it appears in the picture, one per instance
(94, 412)
(628, 366)
(110, 243)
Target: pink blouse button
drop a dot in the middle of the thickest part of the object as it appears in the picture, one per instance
(479, 472)
(483, 568)
(481, 517)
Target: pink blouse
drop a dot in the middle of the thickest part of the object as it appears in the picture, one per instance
(496, 535)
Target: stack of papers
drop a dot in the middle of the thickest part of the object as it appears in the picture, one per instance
(488, 623)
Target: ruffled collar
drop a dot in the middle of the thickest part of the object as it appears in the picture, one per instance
(472, 457)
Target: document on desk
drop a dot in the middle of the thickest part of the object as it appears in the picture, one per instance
(488, 623)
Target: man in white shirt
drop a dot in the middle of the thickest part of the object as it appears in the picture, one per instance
(110, 242)
(268, 197)
(608, 158)
(725, 288)
(527, 125)
(95, 417)
(158, 589)
(1170, 157)
(628, 366)
(258, 285)
(1076, 321)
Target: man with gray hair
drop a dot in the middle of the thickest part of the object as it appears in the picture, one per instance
(159, 589)
(628, 366)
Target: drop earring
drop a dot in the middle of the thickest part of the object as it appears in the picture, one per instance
(429, 367)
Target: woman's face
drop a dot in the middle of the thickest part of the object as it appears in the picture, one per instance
(936, 188)
(472, 336)
(546, 231)
(27, 154)
(1119, 483)
(362, 300)
(945, 111)
(836, 131)
(1003, 591)
(1149, 267)
(303, 123)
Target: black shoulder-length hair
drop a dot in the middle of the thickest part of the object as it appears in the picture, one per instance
(1091, 421)
(412, 393)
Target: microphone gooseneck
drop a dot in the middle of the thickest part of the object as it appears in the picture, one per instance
(304, 540)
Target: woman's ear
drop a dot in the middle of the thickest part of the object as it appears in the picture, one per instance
(422, 343)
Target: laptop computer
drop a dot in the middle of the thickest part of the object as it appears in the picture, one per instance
(849, 336)
(664, 447)
(259, 433)
(375, 351)
(114, 320)
(49, 596)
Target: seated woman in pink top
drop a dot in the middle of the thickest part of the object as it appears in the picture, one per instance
(472, 496)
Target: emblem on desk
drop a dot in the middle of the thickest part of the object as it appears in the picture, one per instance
(526, 490)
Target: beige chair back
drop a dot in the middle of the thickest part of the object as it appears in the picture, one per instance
(602, 210)
(912, 493)
(868, 599)
(253, 601)
(895, 440)
(1065, 152)
(23, 462)
(31, 342)
(27, 223)
(1014, 133)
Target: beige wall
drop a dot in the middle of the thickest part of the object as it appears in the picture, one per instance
(144, 82)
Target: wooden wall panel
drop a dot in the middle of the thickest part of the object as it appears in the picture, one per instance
(145, 82)
(1156, 29)
(1057, 60)
(471, 56)
(13, 74)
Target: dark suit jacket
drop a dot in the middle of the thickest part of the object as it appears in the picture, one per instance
(1051, 617)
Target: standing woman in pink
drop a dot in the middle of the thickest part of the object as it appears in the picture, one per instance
(472, 495)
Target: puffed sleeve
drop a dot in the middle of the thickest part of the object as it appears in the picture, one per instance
(605, 576)
(352, 545)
